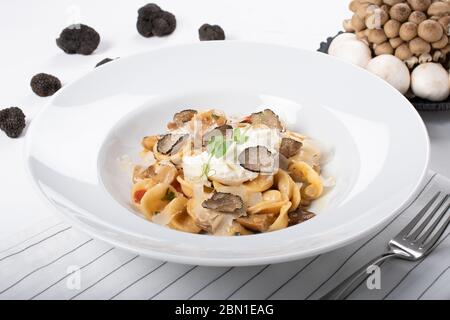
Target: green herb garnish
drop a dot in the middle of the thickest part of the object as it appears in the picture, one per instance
(218, 146)
(169, 196)
(239, 137)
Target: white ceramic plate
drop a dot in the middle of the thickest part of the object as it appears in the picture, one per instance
(378, 143)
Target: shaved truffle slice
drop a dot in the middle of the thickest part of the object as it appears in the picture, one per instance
(300, 215)
(224, 202)
(170, 144)
(184, 116)
(257, 222)
(268, 118)
(257, 159)
(219, 131)
(290, 147)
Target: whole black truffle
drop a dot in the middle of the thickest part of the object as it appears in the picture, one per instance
(209, 32)
(153, 21)
(78, 38)
(12, 121)
(44, 84)
(106, 60)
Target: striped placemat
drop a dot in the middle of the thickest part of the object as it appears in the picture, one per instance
(55, 261)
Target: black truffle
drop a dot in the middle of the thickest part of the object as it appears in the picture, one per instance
(78, 38)
(106, 60)
(209, 32)
(44, 84)
(12, 121)
(153, 21)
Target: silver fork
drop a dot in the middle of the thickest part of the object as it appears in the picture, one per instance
(413, 243)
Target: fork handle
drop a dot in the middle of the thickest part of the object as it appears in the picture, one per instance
(346, 287)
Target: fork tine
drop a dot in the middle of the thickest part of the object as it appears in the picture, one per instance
(430, 217)
(438, 234)
(405, 232)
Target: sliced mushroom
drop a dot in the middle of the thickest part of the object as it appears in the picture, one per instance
(290, 147)
(219, 131)
(300, 215)
(224, 202)
(184, 116)
(284, 162)
(268, 118)
(170, 144)
(257, 222)
(257, 159)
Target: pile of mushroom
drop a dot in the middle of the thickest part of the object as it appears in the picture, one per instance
(388, 37)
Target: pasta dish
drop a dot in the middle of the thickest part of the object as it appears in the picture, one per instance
(219, 175)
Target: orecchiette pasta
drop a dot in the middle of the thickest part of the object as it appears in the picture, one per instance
(289, 189)
(186, 187)
(304, 173)
(218, 175)
(284, 184)
(283, 218)
(260, 184)
(267, 207)
(184, 222)
(175, 206)
(156, 199)
(296, 197)
(139, 189)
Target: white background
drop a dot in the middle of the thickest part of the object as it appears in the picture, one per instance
(28, 30)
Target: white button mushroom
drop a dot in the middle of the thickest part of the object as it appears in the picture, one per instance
(347, 47)
(391, 69)
(430, 81)
(343, 37)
